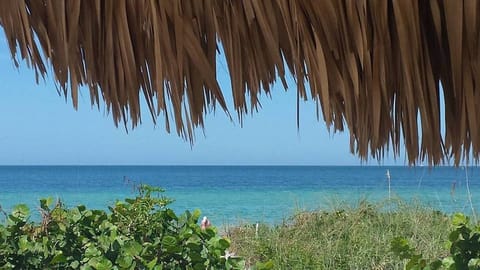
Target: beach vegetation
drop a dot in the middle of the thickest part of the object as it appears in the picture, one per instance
(463, 245)
(144, 233)
(137, 233)
(345, 237)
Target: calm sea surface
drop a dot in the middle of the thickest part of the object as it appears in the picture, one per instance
(232, 194)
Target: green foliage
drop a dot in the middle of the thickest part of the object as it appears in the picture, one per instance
(138, 233)
(344, 238)
(463, 244)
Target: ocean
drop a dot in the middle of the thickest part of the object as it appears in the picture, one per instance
(243, 194)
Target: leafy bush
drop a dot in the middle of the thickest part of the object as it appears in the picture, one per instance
(139, 233)
(463, 244)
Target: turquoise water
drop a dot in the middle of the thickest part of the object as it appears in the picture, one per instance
(232, 194)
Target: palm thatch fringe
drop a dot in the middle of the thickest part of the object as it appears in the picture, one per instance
(373, 66)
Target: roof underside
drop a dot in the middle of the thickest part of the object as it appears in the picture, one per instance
(373, 67)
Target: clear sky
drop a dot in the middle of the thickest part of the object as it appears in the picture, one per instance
(40, 128)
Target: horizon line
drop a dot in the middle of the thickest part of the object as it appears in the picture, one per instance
(228, 165)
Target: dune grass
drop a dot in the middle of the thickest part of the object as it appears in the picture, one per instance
(345, 237)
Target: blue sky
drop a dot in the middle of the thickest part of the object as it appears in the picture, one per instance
(39, 127)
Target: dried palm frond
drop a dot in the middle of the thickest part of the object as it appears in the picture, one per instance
(373, 66)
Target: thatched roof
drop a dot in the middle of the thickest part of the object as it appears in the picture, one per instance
(373, 66)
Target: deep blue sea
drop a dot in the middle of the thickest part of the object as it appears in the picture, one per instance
(235, 194)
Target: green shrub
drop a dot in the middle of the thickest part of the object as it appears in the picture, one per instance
(139, 233)
(463, 244)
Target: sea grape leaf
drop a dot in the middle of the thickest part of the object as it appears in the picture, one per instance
(453, 236)
(152, 263)
(21, 210)
(223, 243)
(199, 266)
(171, 214)
(124, 261)
(101, 263)
(130, 201)
(474, 263)
(23, 243)
(196, 257)
(169, 241)
(196, 215)
(459, 219)
(75, 264)
(58, 258)
(194, 245)
(45, 203)
(91, 252)
(132, 248)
